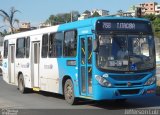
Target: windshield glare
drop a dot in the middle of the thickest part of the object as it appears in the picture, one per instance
(125, 52)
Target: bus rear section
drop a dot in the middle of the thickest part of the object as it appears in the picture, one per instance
(124, 59)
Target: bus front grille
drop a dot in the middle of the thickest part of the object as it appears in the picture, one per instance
(129, 92)
(126, 85)
(127, 78)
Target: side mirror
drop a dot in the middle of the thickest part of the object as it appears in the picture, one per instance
(95, 45)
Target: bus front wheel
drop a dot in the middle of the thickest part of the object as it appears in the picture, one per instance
(69, 92)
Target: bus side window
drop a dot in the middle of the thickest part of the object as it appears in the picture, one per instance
(58, 43)
(20, 50)
(44, 46)
(27, 46)
(70, 44)
(55, 44)
(51, 45)
(5, 48)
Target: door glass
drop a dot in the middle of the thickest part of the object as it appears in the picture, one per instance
(83, 76)
(89, 50)
(90, 80)
(86, 67)
(35, 53)
(12, 54)
(83, 51)
(83, 70)
(89, 66)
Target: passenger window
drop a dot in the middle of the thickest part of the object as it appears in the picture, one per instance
(20, 53)
(44, 46)
(27, 46)
(55, 44)
(5, 48)
(70, 44)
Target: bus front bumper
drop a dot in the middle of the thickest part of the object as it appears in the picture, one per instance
(103, 93)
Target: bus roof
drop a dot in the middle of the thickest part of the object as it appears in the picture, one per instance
(69, 26)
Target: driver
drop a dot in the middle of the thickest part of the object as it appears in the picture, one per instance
(122, 52)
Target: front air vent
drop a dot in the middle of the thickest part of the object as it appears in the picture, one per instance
(126, 84)
(129, 92)
(127, 78)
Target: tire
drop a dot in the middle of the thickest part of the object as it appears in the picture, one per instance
(21, 85)
(69, 92)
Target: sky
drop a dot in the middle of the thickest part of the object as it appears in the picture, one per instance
(37, 11)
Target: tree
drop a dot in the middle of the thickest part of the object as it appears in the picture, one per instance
(50, 20)
(158, 16)
(120, 12)
(10, 17)
(62, 18)
(75, 15)
(151, 17)
(95, 14)
(155, 23)
(3, 33)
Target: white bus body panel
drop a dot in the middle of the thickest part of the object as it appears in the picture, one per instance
(8, 67)
(11, 67)
(35, 56)
(5, 70)
(48, 73)
(23, 66)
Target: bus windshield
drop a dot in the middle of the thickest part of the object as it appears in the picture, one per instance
(125, 52)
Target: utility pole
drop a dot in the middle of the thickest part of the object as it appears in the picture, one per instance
(71, 17)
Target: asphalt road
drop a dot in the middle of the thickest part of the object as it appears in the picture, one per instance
(38, 102)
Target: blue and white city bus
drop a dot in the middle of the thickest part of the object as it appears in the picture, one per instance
(98, 58)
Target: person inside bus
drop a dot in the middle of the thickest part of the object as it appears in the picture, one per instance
(122, 52)
(119, 48)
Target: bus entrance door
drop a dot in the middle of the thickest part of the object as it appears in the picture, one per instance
(35, 64)
(11, 64)
(86, 65)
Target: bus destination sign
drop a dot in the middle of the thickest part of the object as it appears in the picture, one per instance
(108, 25)
(122, 25)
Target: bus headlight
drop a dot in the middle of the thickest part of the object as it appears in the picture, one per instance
(150, 81)
(102, 81)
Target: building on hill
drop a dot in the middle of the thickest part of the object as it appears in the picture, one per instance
(147, 8)
(88, 14)
(100, 12)
(157, 9)
(84, 15)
